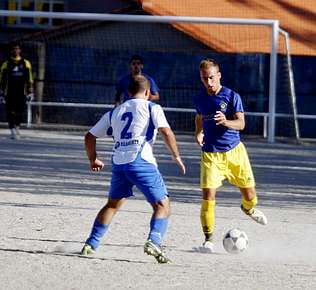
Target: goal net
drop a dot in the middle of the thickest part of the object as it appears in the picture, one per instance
(78, 64)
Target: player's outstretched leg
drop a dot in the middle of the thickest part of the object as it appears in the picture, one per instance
(152, 249)
(257, 215)
(92, 243)
(248, 207)
(101, 225)
(158, 229)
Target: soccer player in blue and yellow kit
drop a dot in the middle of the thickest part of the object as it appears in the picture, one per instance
(136, 66)
(219, 118)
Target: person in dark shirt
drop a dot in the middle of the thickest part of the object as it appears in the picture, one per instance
(16, 84)
(136, 67)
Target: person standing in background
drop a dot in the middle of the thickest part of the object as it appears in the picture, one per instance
(16, 85)
(136, 66)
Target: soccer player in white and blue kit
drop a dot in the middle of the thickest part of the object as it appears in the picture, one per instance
(134, 125)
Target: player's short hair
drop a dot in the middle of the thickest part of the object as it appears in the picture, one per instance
(136, 57)
(209, 62)
(138, 84)
(14, 45)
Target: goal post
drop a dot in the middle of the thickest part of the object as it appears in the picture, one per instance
(290, 75)
(273, 25)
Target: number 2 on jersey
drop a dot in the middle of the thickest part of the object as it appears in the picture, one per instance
(125, 134)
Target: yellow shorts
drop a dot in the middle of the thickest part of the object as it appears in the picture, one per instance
(232, 165)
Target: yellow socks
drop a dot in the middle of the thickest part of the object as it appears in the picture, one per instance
(249, 204)
(207, 216)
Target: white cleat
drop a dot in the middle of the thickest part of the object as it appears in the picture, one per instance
(17, 131)
(207, 247)
(257, 215)
(13, 135)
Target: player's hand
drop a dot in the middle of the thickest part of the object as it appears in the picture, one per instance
(179, 162)
(96, 165)
(220, 118)
(199, 138)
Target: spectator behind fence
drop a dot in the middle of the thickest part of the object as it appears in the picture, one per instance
(136, 66)
(16, 86)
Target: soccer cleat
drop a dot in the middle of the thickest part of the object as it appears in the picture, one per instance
(13, 134)
(154, 250)
(207, 247)
(17, 131)
(87, 250)
(257, 215)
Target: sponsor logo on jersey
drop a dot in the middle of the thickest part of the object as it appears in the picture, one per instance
(17, 71)
(125, 143)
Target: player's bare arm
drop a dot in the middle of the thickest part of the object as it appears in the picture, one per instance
(199, 129)
(90, 145)
(237, 124)
(170, 141)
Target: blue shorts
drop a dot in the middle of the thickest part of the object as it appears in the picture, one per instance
(146, 178)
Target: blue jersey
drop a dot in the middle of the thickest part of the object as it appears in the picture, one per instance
(218, 138)
(122, 86)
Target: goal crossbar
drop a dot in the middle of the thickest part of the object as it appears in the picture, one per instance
(136, 18)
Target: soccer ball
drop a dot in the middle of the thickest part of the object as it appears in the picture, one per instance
(235, 241)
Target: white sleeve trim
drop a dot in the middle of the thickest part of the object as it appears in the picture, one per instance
(159, 118)
(99, 130)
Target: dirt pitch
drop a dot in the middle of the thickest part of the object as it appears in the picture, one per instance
(49, 199)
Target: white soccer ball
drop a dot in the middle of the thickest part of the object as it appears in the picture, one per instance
(235, 241)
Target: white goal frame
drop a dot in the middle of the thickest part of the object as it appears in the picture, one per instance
(273, 24)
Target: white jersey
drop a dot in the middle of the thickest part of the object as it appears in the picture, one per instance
(134, 124)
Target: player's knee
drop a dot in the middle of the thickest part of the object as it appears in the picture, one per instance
(168, 211)
(209, 193)
(114, 203)
(162, 207)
